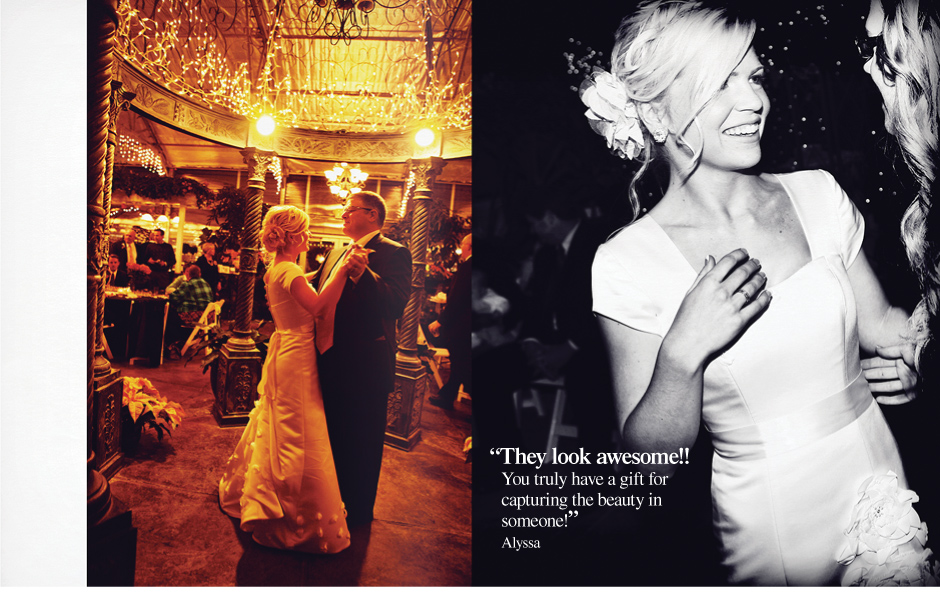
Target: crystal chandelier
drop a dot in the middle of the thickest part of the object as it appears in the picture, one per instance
(345, 180)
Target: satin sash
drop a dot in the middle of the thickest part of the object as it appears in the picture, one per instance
(797, 429)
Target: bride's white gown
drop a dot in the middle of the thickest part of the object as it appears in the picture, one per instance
(793, 423)
(281, 480)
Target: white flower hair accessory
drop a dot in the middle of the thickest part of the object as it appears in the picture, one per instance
(612, 113)
(886, 541)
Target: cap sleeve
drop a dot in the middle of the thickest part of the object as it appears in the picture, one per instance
(851, 224)
(618, 296)
(290, 273)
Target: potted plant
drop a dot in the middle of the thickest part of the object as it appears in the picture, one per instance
(211, 340)
(145, 406)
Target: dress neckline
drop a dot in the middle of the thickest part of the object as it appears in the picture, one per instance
(684, 262)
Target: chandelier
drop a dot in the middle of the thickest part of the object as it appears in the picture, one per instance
(341, 19)
(345, 180)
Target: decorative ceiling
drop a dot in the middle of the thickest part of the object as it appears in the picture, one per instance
(345, 80)
(390, 66)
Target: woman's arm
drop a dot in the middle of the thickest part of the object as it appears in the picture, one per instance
(882, 330)
(658, 382)
(315, 303)
(879, 323)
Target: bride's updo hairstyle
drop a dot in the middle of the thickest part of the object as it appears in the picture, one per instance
(283, 225)
(677, 54)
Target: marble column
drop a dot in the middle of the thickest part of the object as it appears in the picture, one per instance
(239, 359)
(403, 429)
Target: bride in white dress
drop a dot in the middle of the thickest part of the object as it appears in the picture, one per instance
(762, 344)
(280, 482)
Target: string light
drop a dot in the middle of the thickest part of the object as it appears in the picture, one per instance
(406, 196)
(132, 152)
(386, 83)
(275, 168)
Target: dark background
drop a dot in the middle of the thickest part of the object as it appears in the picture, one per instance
(530, 136)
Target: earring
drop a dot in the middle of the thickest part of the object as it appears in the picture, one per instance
(659, 135)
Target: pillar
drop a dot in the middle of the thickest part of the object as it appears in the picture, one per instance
(403, 429)
(239, 359)
(111, 537)
(108, 383)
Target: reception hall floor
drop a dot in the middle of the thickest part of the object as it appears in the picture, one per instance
(420, 536)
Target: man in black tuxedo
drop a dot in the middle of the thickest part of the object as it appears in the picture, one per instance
(357, 352)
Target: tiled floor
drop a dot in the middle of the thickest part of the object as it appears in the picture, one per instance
(420, 537)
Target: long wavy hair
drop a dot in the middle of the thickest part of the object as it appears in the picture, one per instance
(910, 61)
(678, 53)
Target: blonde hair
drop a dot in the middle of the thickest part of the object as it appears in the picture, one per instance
(671, 50)
(910, 61)
(282, 224)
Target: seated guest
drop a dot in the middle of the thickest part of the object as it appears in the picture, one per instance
(176, 283)
(116, 275)
(160, 258)
(192, 296)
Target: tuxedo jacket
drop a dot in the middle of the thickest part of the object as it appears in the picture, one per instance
(119, 249)
(368, 309)
(121, 279)
(456, 317)
(559, 304)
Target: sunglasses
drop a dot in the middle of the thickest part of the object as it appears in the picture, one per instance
(873, 46)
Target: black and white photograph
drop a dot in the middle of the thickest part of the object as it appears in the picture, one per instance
(702, 263)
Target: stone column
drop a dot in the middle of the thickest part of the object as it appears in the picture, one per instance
(406, 400)
(240, 360)
(109, 386)
(111, 538)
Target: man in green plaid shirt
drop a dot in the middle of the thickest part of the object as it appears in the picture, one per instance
(192, 296)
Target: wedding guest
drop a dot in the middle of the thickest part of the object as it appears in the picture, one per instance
(191, 297)
(453, 327)
(901, 51)
(209, 267)
(160, 258)
(116, 275)
(126, 249)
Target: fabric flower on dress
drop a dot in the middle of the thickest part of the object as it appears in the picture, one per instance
(886, 540)
(612, 113)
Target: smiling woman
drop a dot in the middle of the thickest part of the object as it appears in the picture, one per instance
(795, 431)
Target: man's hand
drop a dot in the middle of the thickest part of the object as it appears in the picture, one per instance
(891, 374)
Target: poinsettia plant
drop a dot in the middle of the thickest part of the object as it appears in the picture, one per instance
(147, 407)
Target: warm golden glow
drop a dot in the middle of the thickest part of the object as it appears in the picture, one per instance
(411, 70)
(425, 137)
(265, 125)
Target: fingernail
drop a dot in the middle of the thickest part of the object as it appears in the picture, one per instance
(756, 262)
